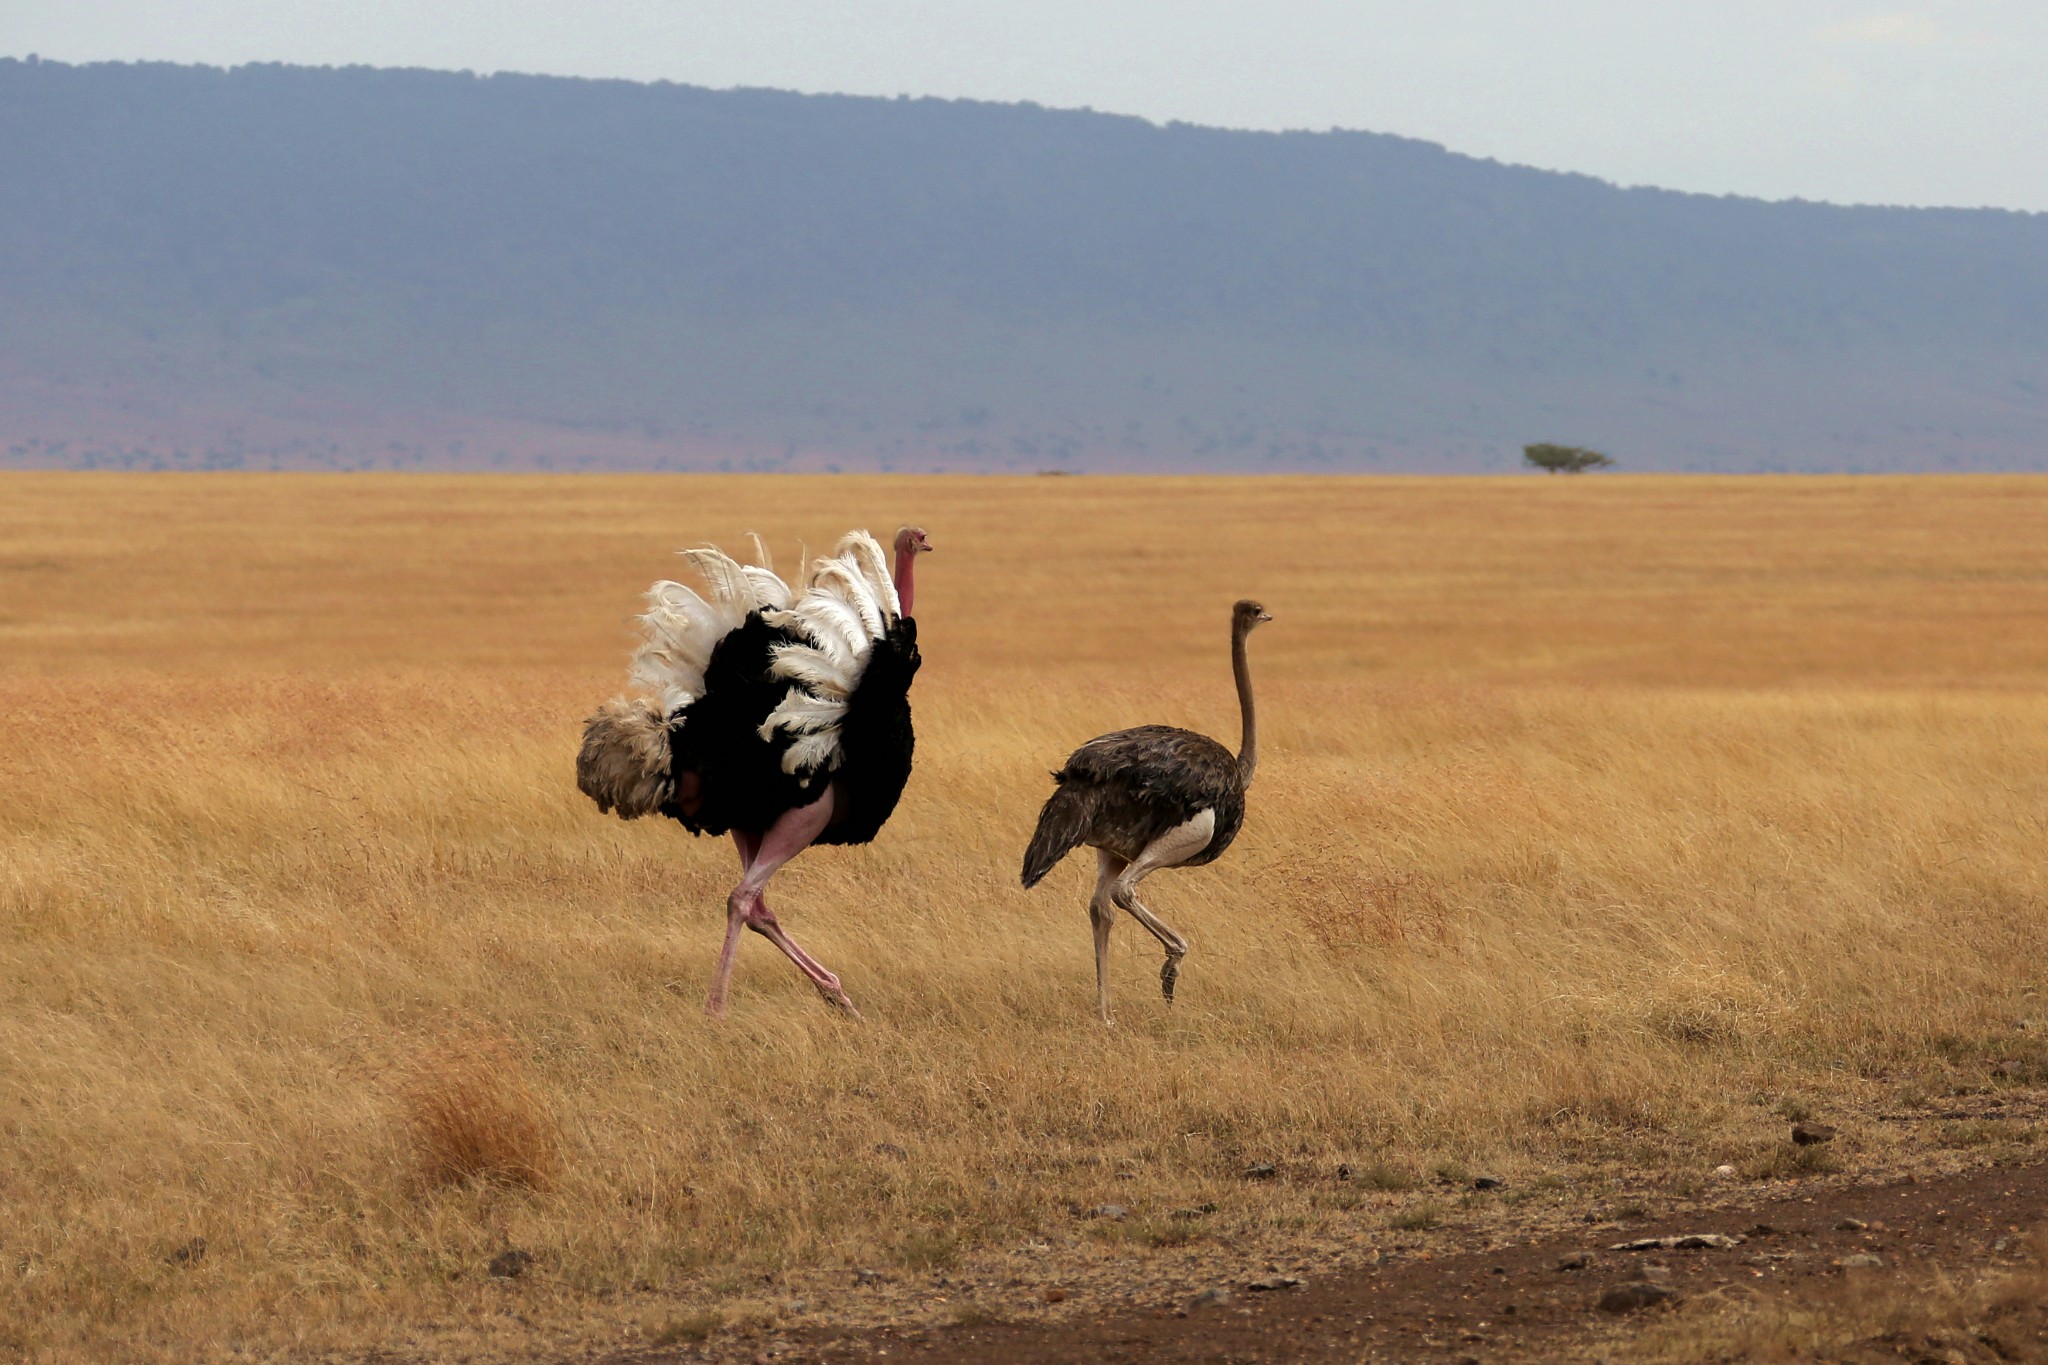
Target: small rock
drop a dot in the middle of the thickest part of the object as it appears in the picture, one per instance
(1811, 1134)
(1861, 1261)
(1762, 1230)
(1273, 1283)
(1630, 1298)
(1725, 1172)
(1054, 1295)
(1210, 1298)
(510, 1263)
(891, 1151)
(1851, 1225)
(1577, 1260)
(192, 1253)
(1487, 1182)
(861, 1276)
(1261, 1170)
(1114, 1212)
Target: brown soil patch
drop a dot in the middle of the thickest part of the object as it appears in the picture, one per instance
(1514, 1302)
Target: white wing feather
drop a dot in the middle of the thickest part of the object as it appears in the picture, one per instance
(846, 605)
(814, 753)
(844, 582)
(865, 554)
(770, 592)
(803, 714)
(829, 624)
(682, 626)
(813, 669)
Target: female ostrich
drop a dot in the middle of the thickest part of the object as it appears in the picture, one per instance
(1156, 796)
(781, 717)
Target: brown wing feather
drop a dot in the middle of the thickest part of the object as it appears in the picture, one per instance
(1144, 781)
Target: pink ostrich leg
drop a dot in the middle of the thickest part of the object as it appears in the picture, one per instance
(747, 906)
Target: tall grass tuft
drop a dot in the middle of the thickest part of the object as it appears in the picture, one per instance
(470, 1113)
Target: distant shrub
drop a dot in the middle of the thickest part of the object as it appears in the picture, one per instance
(1554, 459)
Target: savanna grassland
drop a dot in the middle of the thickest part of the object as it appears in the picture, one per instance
(1601, 824)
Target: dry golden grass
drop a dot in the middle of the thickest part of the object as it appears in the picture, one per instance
(1978, 1317)
(1596, 821)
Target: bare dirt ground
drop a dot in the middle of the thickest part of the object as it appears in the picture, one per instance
(1537, 1293)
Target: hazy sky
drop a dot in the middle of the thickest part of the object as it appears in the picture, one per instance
(1883, 102)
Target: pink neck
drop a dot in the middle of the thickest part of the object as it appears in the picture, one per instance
(906, 561)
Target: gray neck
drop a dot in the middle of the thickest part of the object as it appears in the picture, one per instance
(1248, 750)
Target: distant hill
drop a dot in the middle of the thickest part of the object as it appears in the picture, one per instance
(314, 267)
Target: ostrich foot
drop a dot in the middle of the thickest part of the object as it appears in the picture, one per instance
(1169, 974)
(839, 1000)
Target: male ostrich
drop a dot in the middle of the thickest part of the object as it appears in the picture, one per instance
(780, 717)
(1156, 796)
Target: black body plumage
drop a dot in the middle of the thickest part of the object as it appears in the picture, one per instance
(1122, 791)
(739, 775)
(877, 738)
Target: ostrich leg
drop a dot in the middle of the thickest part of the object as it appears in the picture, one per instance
(749, 845)
(1102, 916)
(1170, 849)
(747, 907)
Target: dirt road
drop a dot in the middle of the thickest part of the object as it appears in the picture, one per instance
(1535, 1301)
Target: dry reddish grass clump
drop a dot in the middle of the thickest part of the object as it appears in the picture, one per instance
(471, 1114)
(1598, 828)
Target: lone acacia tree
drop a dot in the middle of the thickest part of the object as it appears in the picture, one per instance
(1564, 459)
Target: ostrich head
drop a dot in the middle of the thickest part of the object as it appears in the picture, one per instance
(1247, 614)
(911, 541)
